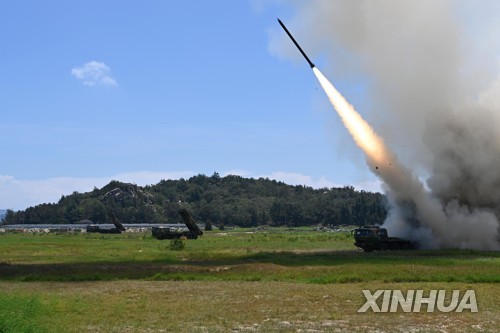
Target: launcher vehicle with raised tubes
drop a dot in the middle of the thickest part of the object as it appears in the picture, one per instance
(370, 238)
(170, 233)
(118, 229)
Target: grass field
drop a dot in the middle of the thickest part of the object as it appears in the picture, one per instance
(236, 281)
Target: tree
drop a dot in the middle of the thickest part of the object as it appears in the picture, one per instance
(230, 200)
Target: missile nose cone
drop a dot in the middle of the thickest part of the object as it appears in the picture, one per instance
(296, 44)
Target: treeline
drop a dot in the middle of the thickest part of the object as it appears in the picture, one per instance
(227, 201)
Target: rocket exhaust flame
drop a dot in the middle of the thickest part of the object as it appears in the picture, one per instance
(364, 136)
(380, 159)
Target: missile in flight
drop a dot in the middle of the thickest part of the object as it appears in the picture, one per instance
(296, 44)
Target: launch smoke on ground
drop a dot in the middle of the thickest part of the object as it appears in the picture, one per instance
(435, 103)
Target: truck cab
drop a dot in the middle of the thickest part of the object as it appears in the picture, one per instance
(370, 238)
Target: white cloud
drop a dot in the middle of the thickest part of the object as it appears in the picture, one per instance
(490, 97)
(293, 178)
(94, 73)
(237, 172)
(300, 179)
(19, 194)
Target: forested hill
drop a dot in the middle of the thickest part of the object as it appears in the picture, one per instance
(230, 200)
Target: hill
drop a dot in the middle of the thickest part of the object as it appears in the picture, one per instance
(230, 200)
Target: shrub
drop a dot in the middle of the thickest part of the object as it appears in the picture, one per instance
(208, 226)
(177, 244)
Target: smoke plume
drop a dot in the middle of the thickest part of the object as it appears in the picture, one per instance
(435, 100)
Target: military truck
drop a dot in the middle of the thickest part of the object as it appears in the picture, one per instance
(370, 238)
(170, 233)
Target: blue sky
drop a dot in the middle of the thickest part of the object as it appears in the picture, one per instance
(139, 91)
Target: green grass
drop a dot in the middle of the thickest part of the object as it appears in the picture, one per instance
(71, 248)
(232, 281)
(20, 313)
(237, 306)
(276, 255)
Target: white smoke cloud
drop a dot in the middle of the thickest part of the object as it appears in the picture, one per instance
(94, 73)
(435, 96)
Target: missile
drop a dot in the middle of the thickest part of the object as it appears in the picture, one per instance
(296, 44)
